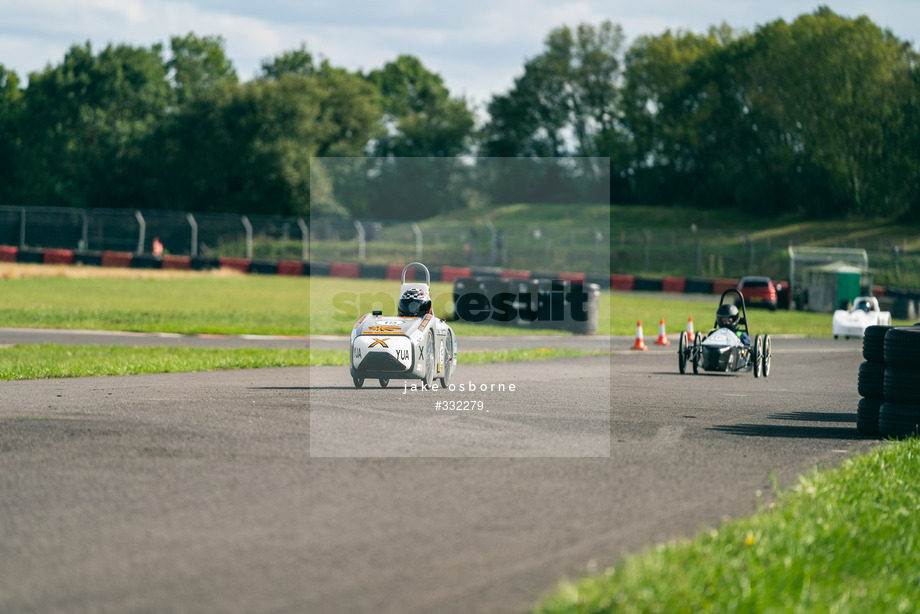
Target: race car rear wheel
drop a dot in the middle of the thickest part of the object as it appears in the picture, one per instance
(682, 353)
(447, 359)
(359, 381)
(697, 353)
(767, 355)
(384, 382)
(430, 356)
(758, 355)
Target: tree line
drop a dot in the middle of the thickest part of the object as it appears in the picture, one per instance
(819, 117)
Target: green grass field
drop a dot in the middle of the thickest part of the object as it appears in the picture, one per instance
(278, 305)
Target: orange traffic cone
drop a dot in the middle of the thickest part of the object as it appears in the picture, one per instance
(690, 333)
(640, 342)
(662, 338)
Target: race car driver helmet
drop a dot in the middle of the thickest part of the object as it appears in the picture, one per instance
(414, 303)
(727, 316)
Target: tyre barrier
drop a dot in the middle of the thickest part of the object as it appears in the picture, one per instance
(871, 380)
(899, 414)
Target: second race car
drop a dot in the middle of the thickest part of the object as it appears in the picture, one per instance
(728, 346)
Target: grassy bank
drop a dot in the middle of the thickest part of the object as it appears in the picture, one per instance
(844, 540)
(20, 362)
(277, 305)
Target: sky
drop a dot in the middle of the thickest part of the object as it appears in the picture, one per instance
(477, 46)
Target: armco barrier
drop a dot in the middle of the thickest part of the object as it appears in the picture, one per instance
(146, 261)
(619, 281)
(698, 286)
(204, 264)
(569, 276)
(29, 255)
(290, 267)
(87, 258)
(235, 264)
(57, 256)
(673, 284)
(263, 267)
(647, 284)
(116, 259)
(514, 274)
(176, 262)
(373, 271)
(721, 285)
(344, 269)
(450, 273)
(8, 253)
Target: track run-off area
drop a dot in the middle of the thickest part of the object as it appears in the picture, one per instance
(288, 490)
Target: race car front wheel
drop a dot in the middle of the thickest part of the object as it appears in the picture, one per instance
(384, 382)
(758, 355)
(359, 381)
(447, 359)
(767, 356)
(681, 353)
(430, 356)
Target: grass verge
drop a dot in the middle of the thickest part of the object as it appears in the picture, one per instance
(21, 362)
(843, 540)
(279, 305)
(339, 358)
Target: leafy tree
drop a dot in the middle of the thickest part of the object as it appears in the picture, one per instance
(83, 120)
(567, 100)
(198, 65)
(10, 109)
(421, 118)
(297, 62)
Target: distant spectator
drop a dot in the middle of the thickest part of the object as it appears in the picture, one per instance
(157, 247)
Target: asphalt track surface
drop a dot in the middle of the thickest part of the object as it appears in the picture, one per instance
(198, 492)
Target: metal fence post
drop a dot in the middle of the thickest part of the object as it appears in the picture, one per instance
(193, 252)
(304, 239)
(22, 228)
(84, 236)
(248, 227)
(418, 241)
(143, 230)
(361, 242)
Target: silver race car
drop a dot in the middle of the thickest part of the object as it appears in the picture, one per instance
(413, 344)
(728, 347)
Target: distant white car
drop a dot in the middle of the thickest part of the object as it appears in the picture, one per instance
(865, 313)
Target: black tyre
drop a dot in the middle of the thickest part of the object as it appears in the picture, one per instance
(902, 347)
(384, 382)
(874, 343)
(870, 380)
(901, 385)
(448, 358)
(898, 419)
(431, 358)
(867, 416)
(359, 381)
(682, 351)
(767, 357)
(697, 353)
(758, 352)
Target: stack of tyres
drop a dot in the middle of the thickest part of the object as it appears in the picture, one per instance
(871, 380)
(899, 415)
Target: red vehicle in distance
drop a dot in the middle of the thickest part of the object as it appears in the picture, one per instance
(758, 290)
